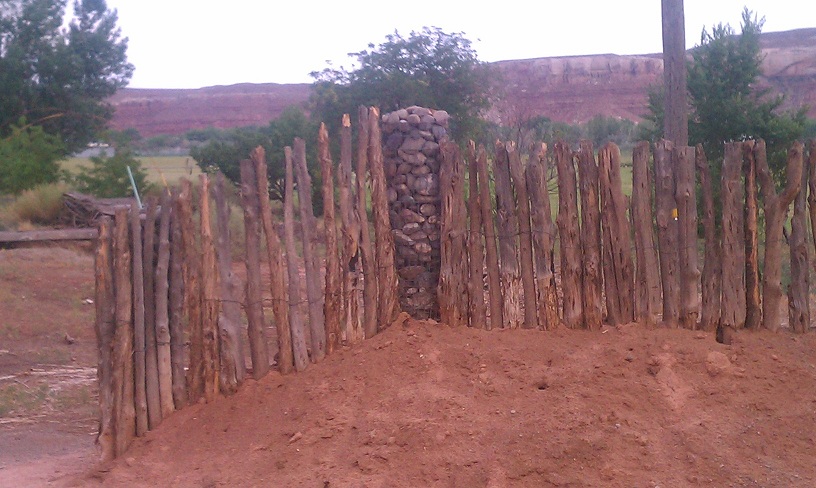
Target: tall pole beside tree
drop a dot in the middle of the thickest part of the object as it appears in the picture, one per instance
(675, 119)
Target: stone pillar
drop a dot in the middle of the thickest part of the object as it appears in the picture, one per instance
(411, 139)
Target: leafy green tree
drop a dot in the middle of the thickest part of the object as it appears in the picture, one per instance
(107, 176)
(431, 68)
(57, 76)
(28, 157)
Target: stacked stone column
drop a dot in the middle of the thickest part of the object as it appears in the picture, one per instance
(411, 139)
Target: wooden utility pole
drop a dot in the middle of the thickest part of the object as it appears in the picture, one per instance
(675, 118)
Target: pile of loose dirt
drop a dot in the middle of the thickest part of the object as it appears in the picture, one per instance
(426, 405)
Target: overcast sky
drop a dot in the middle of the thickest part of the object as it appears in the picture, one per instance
(190, 44)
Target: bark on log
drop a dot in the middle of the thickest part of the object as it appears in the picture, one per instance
(543, 235)
(571, 255)
(592, 277)
(210, 299)
(648, 299)
(154, 415)
(177, 334)
(256, 324)
(351, 256)
(370, 290)
(277, 268)
(732, 315)
(619, 270)
(666, 217)
(753, 300)
(231, 366)
(162, 301)
(686, 198)
(507, 229)
(332, 309)
(124, 409)
(388, 305)
(192, 291)
(525, 237)
(711, 288)
(453, 272)
(776, 212)
(296, 302)
(491, 251)
(139, 336)
(799, 288)
(811, 199)
(105, 328)
(308, 223)
(475, 247)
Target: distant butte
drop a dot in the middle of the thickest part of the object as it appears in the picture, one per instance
(567, 89)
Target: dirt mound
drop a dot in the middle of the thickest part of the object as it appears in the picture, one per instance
(426, 405)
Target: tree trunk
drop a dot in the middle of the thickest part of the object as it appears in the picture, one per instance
(308, 224)
(491, 251)
(799, 289)
(453, 272)
(475, 247)
(567, 222)
(686, 198)
(592, 278)
(388, 306)
(165, 371)
(675, 121)
(277, 268)
(712, 268)
(211, 301)
(776, 212)
(525, 237)
(124, 409)
(370, 286)
(139, 336)
(753, 301)
(507, 227)
(177, 335)
(105, 328)
(296, 303)
(666, 216)
(543, 235)
(151, 349)
(351, 257)
(619, 281)
(647, 282)
(732, 315)
(332, 309)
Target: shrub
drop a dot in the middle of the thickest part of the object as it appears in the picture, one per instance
(40, 205)
(107, 177)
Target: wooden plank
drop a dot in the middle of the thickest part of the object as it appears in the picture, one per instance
(10, 237)
(475, 245)
(525, 236)
(453, 272)
(592, 277)
(647, 272)
(570, 244)
(507, 230)
(665, 215)
(732, 315)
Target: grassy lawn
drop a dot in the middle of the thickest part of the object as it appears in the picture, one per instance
(172, 168)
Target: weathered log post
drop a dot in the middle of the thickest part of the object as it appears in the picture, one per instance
(507, 230)
(370, 286)
(124, 408)
(256, 324)
(491, 251)
(592, 274)
(192, 291)
(686, 198)
(811, 199)
(776, 210)
(296, 302)
(647, 282)
(666, 217)
(163, 354)
(619, 270)
(567, 221)
(332, 309)
(351, 254)
(525, 236)
(176, 305)
(453, 273)
(139, 340)
(210, 300)
(732, 315)
(154, 414)
(712, 266)
(105, 328)
(475, 246)
(753, 300)
(543, 235)
(799, 288)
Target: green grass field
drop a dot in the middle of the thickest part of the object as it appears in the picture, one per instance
(159, 168)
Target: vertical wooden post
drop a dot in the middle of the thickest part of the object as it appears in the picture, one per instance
(370, 291)
(507, 229)
(711, 287)
(525, 236)
(351, 256)
(543, 234)
(491, 251)
(124, 409)
(177, 334)
(105, 328)
(258, 347)
(647, 282)
(386, 270)
(332, 310)
(666, 216)
(732, 315)
(570, 253)
(776, 210)
(753, 300)
(192, 291)
(592, 279)
(619, 270)
(453, 272)
(475, 246)
(139, 341)
(231, 366)
(277, 266)
(210, 300)
(799, 288)
(154, 415)
(811, 199)
(308, 223)
(296, 303)
(162, 301)
(686, 198)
